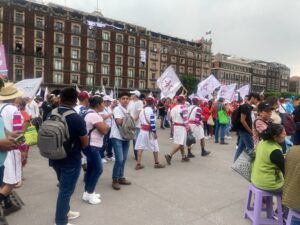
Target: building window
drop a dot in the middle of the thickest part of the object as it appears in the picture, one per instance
(118, 71)
(18, 59)
(164, 58)
(182, 61)
(18, 74)
(118, 82)
(91, 33)
(74, 54)
(90, 68)
(105, 58)
(59, 38)
(19, 46)
(38, 62)
(119, 38)
(119, 60)
(104, 81)
(105, 46)
(39, 22)
(91, 43)
(153, 56)
(119, 49)
(91, 56)
(173, 59)
(19, 31)
(57, 78)
(130, 84)
(131, 62)
(74, 79)
(76, 41)
(39, 34)
(143, 43)
(131, 51)
(19, 17)
(39, 49)
(131, 41)
(142, 74)
(130, 72)
(142, 84)
(105, 35)
(75, 66)
(38, 73)
(105, 70)
(76, 29)
(90, 81)
(58, 64)
(59, 26)
(58, 51)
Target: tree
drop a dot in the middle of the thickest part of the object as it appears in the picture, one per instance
(190, 83)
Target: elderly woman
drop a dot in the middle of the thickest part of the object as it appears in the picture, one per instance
(291, 188)
(268, 167)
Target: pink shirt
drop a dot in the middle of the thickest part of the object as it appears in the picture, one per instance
(91, 119)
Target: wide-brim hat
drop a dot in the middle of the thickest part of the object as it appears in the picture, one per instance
(9, 92)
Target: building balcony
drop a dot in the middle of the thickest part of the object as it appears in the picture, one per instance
(58, 28)
(76, 31)
(39, 54)
(154, 49)
(153, 79)
(39, 26)
(59, 41)
(153, 69)
(19, 21)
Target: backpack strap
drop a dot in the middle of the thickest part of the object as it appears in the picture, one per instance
(3, 108)
(191, 112)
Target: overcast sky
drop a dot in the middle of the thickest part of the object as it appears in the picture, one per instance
(256, 29)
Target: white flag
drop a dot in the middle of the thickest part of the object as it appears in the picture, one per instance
(227, 92)
(111, 94)
(192, 96)
(39, 92)
(244, 91)
(207, 86)
(29, 86)
(45, 94)
(103, 92)
(97, 92)
(168, 83)
(77, 89)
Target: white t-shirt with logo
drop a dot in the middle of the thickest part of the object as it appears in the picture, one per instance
(91, 118)
(118, 113)
(133, 108)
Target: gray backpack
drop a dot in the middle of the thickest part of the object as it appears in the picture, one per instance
(53, 136)
(127, 130)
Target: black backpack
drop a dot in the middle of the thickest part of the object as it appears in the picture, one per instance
(235, 119)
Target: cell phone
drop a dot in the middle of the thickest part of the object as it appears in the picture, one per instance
(20, 139)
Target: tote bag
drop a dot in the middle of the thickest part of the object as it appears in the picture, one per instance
(223, 118)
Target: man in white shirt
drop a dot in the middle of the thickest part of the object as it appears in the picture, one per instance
(120, 145)
(107, 117)
(135, 106)
(32, 108)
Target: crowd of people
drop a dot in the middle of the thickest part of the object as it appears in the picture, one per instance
(101, 130)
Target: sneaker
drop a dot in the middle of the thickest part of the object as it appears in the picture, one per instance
(159, 166)
(223, 143)
(171, 138)
(104, 161)
(190, 155)
(13, 208)
(93, 199)
(206, 137)
(139, 167)
(111, 159)
(85, 196)
(168, 159)
(228, 137)
(124, 181)
(73, 215)
(185, 159)
(205, 153)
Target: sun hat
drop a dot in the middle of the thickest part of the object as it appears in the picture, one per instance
(9, 91)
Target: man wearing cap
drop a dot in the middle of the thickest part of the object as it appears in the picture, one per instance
(83, 105)
(179, 115)
(135, 106)
(262, 121)
(107, 117)
(195, 122)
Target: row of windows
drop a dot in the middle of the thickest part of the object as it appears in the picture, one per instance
(75, 79)
(235, 67)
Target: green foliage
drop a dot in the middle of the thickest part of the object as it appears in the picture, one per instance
(280, 94)
(190, 83)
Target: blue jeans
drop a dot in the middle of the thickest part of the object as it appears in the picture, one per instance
(245, 143)
(121, 151)
(295, 221)
(219, 129)
(67, 183)
(107, 146)
(94, 168)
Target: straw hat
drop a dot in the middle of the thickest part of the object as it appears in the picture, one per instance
(9, 91)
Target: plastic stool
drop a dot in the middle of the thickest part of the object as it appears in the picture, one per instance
(292, 214)
(254, 213)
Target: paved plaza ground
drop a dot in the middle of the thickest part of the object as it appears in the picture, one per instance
(204, 191)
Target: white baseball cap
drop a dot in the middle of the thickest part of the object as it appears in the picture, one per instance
(107, 98)
(136, 93)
